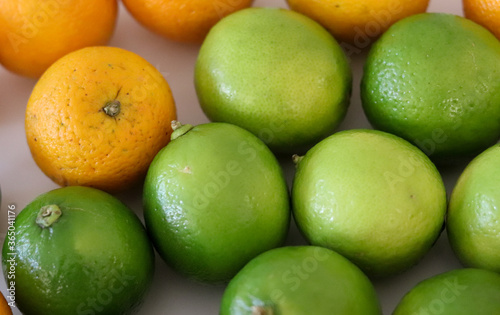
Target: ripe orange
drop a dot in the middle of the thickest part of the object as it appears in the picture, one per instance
(4, 307)
(97, 117)
(34, 34)
(485, 13)
(182, 20)
(357, 23)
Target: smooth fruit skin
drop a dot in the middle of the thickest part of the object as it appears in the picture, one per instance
(372, 197)
(300, 280)
(72, 138)
(359, 22)
(214, 198)
(485, 13)
(275, 73)
(34, 34)
(181, 20)
(95, 259)
(473, 219)
(456, 292)
(434, 79)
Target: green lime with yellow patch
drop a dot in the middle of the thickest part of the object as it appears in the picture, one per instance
(276, 73)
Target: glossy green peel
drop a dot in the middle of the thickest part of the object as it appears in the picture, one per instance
(300, 280)
(214, 198)
(79, 250)
(276, 73)
(372, 197)
(434, 80)
(473, 219)
(456, 292)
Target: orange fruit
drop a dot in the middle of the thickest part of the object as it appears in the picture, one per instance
(360, 22)
(4, 307)
(182, 20)
(97, 117)
(34, 34)
(485, 13)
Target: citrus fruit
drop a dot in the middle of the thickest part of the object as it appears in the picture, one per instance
(300, 280)
(412, 86)
(370, 196)
(97, 117)
(79, 250)
(4, 306)
(275, 73)
(473, 219)
(357, 23)
(181, 20)
(485, 13)
(457, 292)
(214, 198)
(34, 34)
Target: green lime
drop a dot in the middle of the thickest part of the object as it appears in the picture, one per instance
(473, 220)
(78, 250)
(300, 280)
(214, 198)
(434, 79)
(457, 292)
(370, 196)
(276, 73)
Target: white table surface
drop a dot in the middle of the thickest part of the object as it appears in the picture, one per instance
(21, 180)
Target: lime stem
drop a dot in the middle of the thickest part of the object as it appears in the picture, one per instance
(262, 310)
(175, 124)
(112, 108)
(179, 129)
(48, 215)
(296, 159)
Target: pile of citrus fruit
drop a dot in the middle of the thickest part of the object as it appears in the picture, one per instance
(216, 205)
